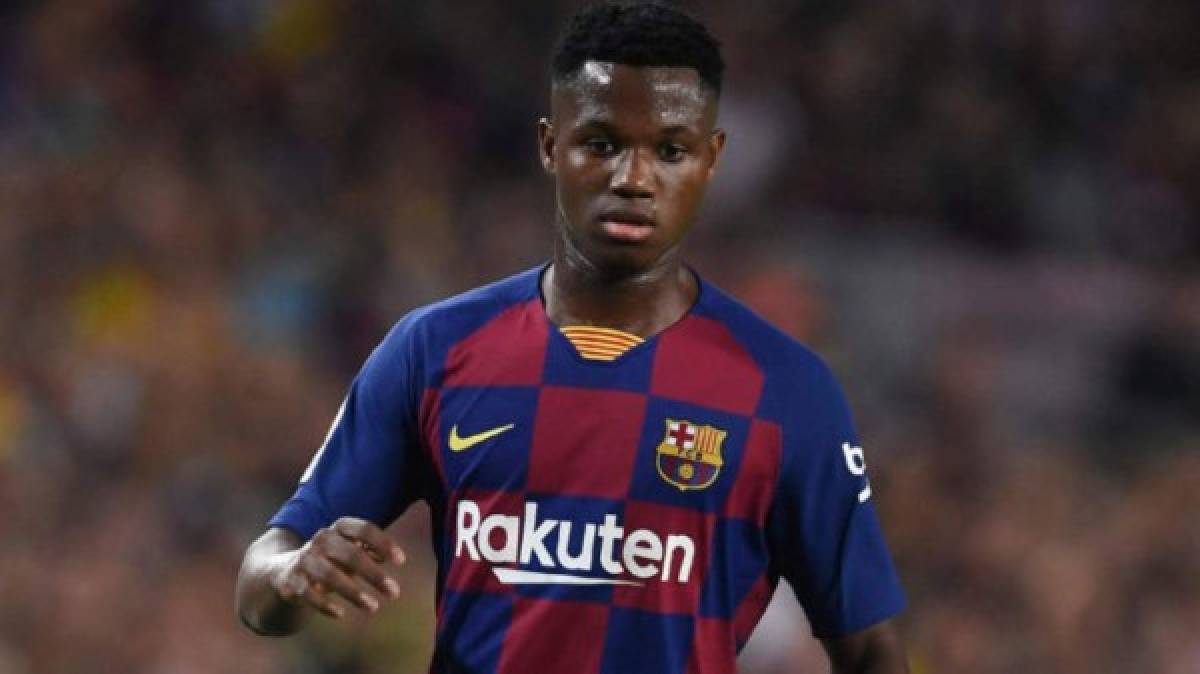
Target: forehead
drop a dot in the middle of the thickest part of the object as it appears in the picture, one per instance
(614, 93)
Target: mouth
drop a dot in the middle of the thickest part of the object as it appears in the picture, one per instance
(626, 226)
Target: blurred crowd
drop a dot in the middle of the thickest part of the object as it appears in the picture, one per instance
(983, 214)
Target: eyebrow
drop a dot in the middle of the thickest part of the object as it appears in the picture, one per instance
(604, 124)
(595, 121)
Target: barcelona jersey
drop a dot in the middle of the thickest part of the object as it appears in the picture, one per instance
(607, 516)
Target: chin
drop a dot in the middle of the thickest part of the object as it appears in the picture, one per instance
(613, 264)
(627, 265)
(607, 260)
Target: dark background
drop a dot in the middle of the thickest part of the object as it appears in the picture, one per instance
(983, 214)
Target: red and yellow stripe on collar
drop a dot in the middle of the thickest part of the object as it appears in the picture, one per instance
(595, 343)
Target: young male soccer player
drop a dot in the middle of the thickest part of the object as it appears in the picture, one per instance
(620, 460)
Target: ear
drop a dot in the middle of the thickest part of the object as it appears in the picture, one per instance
(716, 144)
(546, 144)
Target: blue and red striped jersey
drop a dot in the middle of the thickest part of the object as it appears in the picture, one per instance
(607, 517)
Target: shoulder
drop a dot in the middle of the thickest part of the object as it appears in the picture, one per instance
(438, 325)
(412, 354)
(792, 372)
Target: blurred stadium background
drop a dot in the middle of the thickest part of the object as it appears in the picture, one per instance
(984, 214)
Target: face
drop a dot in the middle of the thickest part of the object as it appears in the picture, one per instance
(631, 149)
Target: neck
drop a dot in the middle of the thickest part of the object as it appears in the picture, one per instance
(643, 303)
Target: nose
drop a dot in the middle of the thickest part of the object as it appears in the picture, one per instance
(634, 174)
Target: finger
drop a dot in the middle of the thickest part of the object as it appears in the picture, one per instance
(363, 531)
(292, 588)
(334, 581)
(381, 556)
(355, 561)
(314, 595)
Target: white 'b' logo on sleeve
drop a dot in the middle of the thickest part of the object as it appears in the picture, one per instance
(856, 463)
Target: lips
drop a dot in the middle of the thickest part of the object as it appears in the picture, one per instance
(628, 216)
(627, 226)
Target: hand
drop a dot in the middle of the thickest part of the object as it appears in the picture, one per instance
(350, 561)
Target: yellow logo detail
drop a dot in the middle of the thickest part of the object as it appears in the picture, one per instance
(458, 444)
(690, 454)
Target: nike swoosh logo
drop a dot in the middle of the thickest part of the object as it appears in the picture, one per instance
(458, 444)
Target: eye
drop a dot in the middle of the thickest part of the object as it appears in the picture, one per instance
(601, 147)
(672, 152)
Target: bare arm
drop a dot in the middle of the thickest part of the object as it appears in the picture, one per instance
(876, 650)
(282, 579)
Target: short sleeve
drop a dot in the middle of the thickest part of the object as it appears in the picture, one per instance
(370, 464)
(823, 532)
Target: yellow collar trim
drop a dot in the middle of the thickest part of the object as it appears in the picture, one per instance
(596, 343)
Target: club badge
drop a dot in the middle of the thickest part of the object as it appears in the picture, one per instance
(689, 456)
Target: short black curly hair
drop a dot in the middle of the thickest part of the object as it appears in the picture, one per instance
(637, 34)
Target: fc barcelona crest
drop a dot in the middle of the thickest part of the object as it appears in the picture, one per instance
(689, 456)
